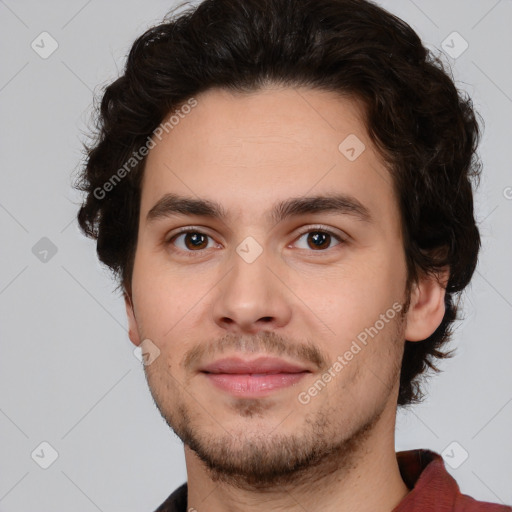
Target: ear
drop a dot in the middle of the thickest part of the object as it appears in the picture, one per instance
(426, 309)
(133, 331)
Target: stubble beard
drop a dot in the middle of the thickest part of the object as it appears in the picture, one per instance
(269, 460)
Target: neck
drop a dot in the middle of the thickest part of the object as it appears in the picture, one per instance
(365, 478)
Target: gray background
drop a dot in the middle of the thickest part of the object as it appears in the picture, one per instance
(68, 375)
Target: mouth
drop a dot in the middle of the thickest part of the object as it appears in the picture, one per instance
(255, 378)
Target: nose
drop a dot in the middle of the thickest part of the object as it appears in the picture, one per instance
(252, 297)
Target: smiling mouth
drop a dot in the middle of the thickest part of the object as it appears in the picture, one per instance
(254, 378)
(254, 384)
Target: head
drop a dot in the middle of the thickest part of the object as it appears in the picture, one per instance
(321, 160)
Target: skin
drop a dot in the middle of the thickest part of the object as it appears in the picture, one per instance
(302, 303)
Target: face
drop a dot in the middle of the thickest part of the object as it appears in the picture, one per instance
(277, 319)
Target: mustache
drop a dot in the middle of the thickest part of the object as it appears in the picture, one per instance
(266, 342)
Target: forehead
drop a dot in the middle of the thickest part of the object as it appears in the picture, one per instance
(248, 151)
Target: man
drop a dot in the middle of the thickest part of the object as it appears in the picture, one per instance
(284, 190)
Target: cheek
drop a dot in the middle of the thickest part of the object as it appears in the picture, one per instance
(162, 299)
(350, 297)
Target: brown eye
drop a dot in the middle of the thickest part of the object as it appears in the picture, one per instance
(195, 241)
(190, 241)
(319, 240)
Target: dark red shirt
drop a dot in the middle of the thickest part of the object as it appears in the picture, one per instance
(433, 488)
(423, 471)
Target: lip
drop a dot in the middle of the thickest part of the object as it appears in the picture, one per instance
(252, 379)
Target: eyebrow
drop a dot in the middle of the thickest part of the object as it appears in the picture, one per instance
(171, 205)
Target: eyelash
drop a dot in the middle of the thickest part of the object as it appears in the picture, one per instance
(310, 229)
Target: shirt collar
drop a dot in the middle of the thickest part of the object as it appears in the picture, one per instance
(424, 472)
